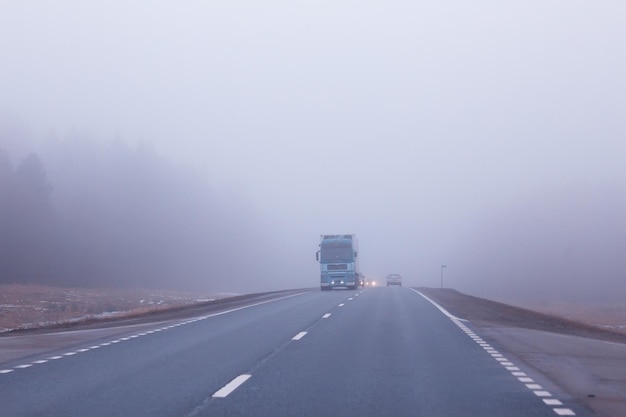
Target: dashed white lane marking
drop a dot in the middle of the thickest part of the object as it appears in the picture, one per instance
(231, 386)
(124, 339)
(299, 336)
(325, 316)
(509, 366)
(350, 299)
(341, 305)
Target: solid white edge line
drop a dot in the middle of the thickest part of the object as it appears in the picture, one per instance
(231, 386)
(443, 310)
(253, 305)
(535, 387)
(299, 336)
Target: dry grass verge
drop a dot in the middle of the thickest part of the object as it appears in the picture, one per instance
(38, 306)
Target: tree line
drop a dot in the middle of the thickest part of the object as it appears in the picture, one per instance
(82, 214)
(26, 220)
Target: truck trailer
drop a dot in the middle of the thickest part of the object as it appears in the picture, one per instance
(339, 265)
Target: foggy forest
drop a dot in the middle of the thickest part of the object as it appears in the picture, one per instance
(207, 146)
(92, 213)
(114, 215)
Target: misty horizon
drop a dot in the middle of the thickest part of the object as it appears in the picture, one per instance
(486, 137)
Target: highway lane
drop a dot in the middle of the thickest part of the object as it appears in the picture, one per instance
(165, 372)
(388, 352)
(383, 351)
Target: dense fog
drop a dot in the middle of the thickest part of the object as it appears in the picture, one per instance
(208, 146)
(80, 213)
(563, 243)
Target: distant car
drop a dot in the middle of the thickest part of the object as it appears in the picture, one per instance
(394, 279)
(370, 283)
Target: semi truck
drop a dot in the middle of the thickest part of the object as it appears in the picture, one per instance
(339, 262)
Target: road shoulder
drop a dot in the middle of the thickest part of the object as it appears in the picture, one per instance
(586, 362)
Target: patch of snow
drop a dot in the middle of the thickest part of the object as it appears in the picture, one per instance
(613, 326)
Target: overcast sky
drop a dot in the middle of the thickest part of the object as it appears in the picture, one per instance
(406, 122)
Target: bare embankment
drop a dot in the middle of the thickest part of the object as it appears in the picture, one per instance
(491, 313)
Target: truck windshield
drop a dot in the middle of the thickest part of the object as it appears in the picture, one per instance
(334, 254)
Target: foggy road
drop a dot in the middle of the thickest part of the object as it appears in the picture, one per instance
(379, 351)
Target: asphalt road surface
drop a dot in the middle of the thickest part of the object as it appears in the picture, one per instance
(373, 352)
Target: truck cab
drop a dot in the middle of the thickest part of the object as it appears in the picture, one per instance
(338, 258)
